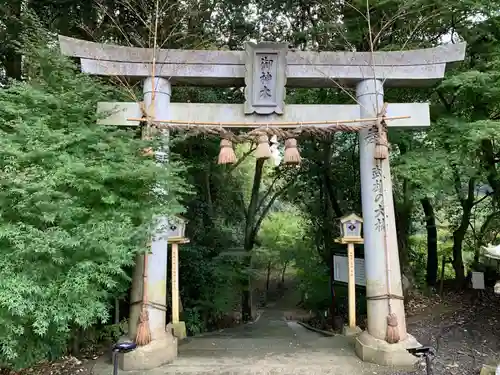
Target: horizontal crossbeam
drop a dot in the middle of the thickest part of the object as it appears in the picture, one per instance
(405, 115)
(413, 68)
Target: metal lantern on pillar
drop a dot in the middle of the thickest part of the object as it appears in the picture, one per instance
(176, 228)
(351, 227)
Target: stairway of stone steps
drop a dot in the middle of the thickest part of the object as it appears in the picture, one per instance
(270, 345)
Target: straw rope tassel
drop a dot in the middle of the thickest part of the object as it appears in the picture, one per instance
(382, 144)
(392, 334)
(292, 155)
(143, 336)
(226, 154)
(263, 150)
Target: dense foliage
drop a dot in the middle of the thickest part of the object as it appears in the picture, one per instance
(76, 206)
(76, 201)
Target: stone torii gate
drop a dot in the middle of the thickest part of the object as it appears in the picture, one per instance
(265, 69)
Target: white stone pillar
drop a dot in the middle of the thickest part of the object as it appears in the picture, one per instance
(163, 348)
(379, 232)
(157, 261)
(157, 288)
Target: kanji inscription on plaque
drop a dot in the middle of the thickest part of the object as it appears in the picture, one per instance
(265, 78)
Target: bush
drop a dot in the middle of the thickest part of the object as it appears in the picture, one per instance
(75, 207)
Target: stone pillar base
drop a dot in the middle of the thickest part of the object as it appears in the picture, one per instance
(351, 332)
(370, 349)
(157, 353)
(178, 330)
(488, 370)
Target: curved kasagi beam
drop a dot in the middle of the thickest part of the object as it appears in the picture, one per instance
(413, 68)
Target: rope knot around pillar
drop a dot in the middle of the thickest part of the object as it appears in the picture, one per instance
(381, 143)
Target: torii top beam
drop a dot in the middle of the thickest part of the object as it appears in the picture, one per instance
(414, 68)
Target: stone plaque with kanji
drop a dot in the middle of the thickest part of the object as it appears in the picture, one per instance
(265, 78)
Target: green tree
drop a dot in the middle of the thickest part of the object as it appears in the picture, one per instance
(76, 203)
(280, 235)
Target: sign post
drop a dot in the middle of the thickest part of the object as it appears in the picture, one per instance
(175, 280)
(351, 285)
(350, 229)
(175, 237)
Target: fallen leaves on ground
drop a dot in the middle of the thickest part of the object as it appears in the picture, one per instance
(462, 327)
(65, 366)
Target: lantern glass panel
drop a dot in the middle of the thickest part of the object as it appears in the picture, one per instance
(352, 229)
(176, 228)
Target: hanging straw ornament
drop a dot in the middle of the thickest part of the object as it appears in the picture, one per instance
(263, 150)
(381, 145)
(143, 336)
(292, 155)
(226, 154)
(148, 151)
(392, 334)
(147, 135)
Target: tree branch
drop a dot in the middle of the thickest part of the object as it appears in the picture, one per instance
(252, 206)
(482, 199)
(240, 160)
(457, 183)
(268, 192)
(470, 192)
(266, 209)
(242, 202)
(486, 224)
(443, 100)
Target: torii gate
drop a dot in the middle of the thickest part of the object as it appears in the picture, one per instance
(367, 72)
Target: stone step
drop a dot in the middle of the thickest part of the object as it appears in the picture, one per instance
(332, 369)
(264, 343)
(337, 363)
(269, 359)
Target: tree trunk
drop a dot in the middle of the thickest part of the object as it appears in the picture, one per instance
(403, 211)
(268, 278)
(12, 59)
(489, 164)
(246, 304)
(250, 234)
(333, 304)
(246, 290)
(467, 204)
(403, 216)
(283, 273)
(432, 253)
(332, 209)
(458, 262)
